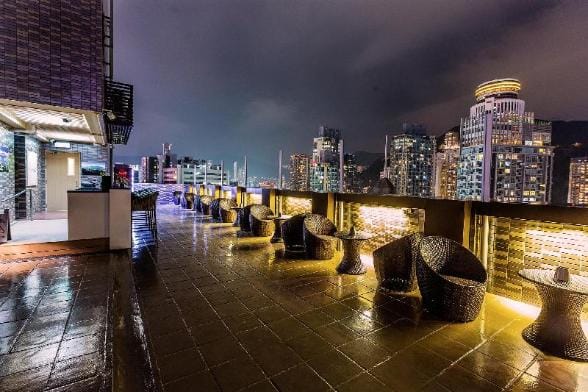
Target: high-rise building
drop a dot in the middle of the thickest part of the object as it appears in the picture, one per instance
(445, 166)
(299, 171)
(149, 169)
(351, 183)
(409, 161)
(167, 165)
(505, 154)
(326, 157)
(578, 182)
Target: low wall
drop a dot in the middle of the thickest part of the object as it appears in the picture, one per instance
(165, 190)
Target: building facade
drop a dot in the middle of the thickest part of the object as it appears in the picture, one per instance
(578, 182)
(445, 166)
(299, 172)
(409, 162)
(351, 180)
(505, 153)
(58, 102)
(149, 170)
(326, 160)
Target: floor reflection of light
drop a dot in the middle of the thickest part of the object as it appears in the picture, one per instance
(367, 259)
(529, 310)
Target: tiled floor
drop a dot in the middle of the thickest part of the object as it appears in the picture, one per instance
(227, 313)
(53, 318)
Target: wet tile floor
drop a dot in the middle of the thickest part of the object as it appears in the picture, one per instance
(227, 313)
(53, 318)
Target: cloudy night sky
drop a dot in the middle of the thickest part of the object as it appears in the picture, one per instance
(220, 79)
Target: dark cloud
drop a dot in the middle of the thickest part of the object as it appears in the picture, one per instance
(220, 79)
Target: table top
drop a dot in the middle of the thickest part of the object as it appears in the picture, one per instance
(237, 208)
(357, 237)
(577, 284)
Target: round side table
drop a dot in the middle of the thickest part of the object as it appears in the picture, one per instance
(558, 329)
(351, 262)
(278, 220)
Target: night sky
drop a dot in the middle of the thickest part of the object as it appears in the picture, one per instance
(220, 79)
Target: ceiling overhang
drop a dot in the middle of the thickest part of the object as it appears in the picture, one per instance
(47, 122)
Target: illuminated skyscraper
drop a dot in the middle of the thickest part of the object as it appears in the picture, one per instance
(505, 154)
(578, 182)
(326, 157)
(149, 169)
(350, 174)
(299, 170)
(445, 167)
(409, 165)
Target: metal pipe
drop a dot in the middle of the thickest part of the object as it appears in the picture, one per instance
(280, 169)
(222, 176)
(341, 165)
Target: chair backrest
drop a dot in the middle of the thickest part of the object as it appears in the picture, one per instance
(293, 230)
(447, 257)
(205, 199)
(227, 204)
(189, 196)
(260, 211)
(318, 224)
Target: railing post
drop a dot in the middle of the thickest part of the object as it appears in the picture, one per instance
(324, 204)
(218, 191)
(268, 198)
(446, 218)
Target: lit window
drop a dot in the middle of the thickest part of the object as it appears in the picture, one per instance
(70, 167)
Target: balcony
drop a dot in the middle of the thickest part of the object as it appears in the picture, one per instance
(204, 307)
(118, 111)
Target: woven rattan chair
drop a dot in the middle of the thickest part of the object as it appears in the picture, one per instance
(452, 280)
(319, 242)
(244, 219)
(261, 226)
(293, 235)
(215, 209)
(226, 213)
(177, 197)
(395, 263)
(205, 202)
(188, 201)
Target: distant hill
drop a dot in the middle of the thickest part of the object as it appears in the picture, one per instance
(366, 158)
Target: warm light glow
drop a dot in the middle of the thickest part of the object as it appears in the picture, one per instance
(497, 86)
(528, 310)
(296, 205)
(384, 224)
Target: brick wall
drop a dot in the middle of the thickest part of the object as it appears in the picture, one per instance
(52, 52)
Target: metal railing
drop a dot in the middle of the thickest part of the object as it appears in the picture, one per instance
(29, 212)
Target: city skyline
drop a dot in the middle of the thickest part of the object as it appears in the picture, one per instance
(277, 87)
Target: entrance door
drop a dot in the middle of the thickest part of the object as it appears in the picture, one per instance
(63, 174)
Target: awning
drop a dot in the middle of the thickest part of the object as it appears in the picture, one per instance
(47, 122)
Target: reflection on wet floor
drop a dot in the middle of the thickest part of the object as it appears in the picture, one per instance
(230, 313)
(53, 319)
(227, 313)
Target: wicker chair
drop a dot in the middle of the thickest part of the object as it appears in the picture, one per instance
(260, 225)
(177, 197)
(188, 201)
(452, 280)
(395, 263)
(244, 219)
(293, 235)
(215, 209)
(226, 213)
(205, 202)
(319, 242)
